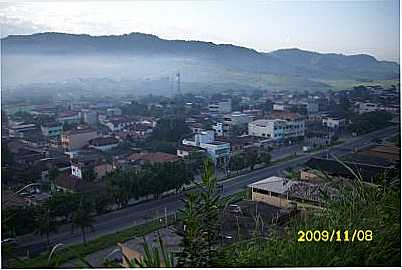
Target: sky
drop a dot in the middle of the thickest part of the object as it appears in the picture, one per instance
(348, 27)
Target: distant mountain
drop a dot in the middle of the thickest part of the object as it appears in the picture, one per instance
(52, 56)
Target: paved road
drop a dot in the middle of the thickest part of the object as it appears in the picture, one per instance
(137, 214)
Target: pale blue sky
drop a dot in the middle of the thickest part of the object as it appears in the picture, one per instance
(348, 27)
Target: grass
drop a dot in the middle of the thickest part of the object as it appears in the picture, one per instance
(92, 246)
(359, 206)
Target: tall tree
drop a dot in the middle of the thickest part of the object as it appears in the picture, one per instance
(265, 157)
(251, 158)
(82, 217)
(45, 221)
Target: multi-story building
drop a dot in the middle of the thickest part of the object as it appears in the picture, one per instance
(104, 143)
(278, 127)
(334, 122)
(218, 151)
(235, 119)
(221, 107)
(69, 117)
(89, 117)
(118, 123)
(75, 139)
(218, 128)
(21, 130)
(52, 129)
(365, 107)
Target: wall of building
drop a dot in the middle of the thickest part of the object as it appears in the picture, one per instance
(74, 142)
(52, 131)
(271, 200)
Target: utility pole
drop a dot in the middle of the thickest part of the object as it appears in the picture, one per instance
(166, 216)
(178, 83)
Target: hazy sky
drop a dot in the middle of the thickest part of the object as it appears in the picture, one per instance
(347, 27)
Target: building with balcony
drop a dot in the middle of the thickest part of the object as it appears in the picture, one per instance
(218, 151)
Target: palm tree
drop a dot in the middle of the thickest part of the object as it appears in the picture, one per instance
(82, 217)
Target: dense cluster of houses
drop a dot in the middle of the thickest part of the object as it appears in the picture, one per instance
(78, 136)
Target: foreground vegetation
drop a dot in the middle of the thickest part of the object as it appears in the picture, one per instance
(360, 207)
(356, 206)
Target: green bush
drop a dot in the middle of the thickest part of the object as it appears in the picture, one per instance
(360, 207)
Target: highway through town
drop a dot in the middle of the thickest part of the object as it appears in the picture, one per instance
(142, 212)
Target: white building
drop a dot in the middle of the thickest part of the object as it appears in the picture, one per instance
(218, 151)
(333, 122)
(113, 112)
(277, 129)
(235, 119)
(280, 107)
(118, 124)
(221, 107)
(218, 128)
(89, 117)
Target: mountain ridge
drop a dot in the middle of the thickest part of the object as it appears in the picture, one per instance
(197, 60)
(155, 37)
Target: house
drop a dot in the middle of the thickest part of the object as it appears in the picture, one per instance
(61, 163)
(103, 143)
(118, 123)
(75, 139)
(285, 193)
(80, 165)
